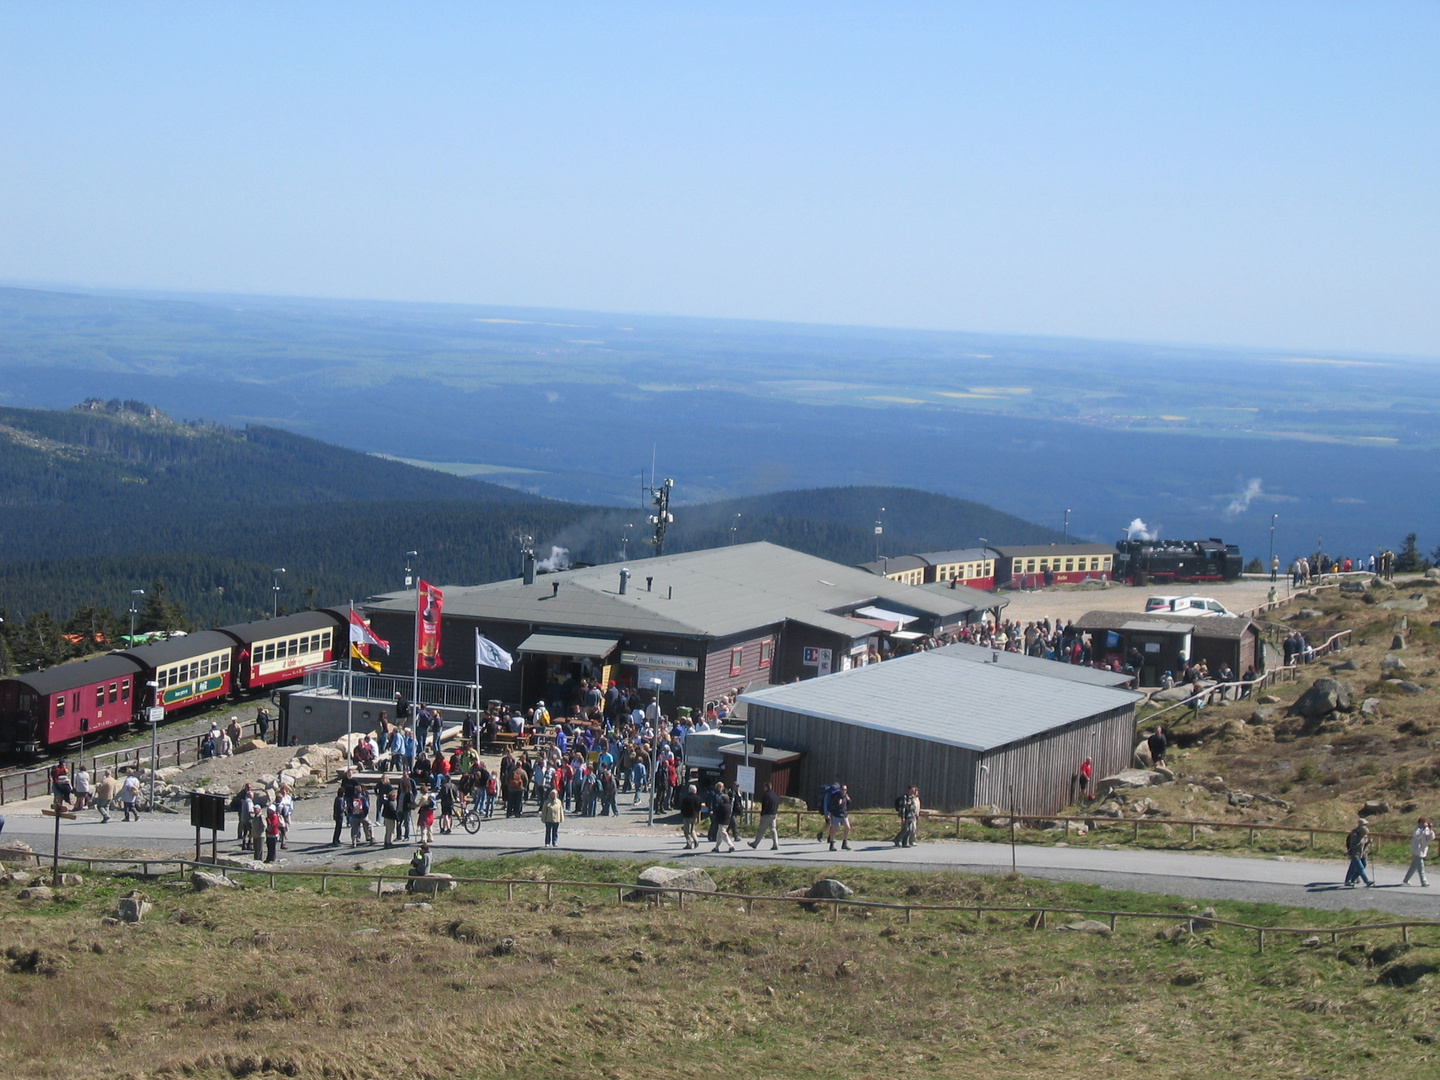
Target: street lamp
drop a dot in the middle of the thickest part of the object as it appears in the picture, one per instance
(1273, 518)
(154, 723)
(134, 594)
(275, 590)
(733, 527)
(879, 530)
(1067, 523)
(409, 580)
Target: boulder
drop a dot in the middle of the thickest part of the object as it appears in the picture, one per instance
(1307, 613)
(1166, 774)
(1398, 642)
(200, 881)
(1175, 693)
(655, 879)
(829, 889)
(1263, 715)
(1239, 798)
(71, 880)
(1352, 586)
(1144, 806)
(1345, 665)
(36, 892)
(15, 852)
(244, 746)
(17, 877)
(1110, 810)
(432, 883)
(1142, 754)
(1088, 926)
(1322, 699)
(1409, 603)
(132, 908)
(316, 753)
(1432, 574)
(1130, 778)
(1391, 663)
(417, 905)
(1368, 706)
(1374, 808)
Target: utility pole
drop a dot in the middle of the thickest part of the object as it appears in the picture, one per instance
(1067, 523)
(1273, 518)
(275, 590)
(134, 594)
(410, 578)
(661, 518)
(879, 531)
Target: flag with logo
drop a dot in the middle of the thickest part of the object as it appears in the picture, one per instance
(361, 638)
(427, 627)
(488, 654)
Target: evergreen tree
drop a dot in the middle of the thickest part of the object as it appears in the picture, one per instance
(40, 645)
(97, 628)
(159, 613)
(1409, 560)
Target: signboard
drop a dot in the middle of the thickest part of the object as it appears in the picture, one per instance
(1152, 646)
(154, 715)
(207, 811)
(745, 778)
(656, 660)
(193, 689)
(648, 675)
(818, 657)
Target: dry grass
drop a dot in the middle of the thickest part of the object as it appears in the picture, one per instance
(261, 983)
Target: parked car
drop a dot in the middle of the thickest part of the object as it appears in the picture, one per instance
(1189, 605)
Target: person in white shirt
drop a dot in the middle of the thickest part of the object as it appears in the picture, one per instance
(1420, 841)
(129, 794)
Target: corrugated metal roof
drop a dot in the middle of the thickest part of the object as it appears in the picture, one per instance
(568, 645)
(1034, 550)
(960, 555)
(1052, 669)
(181, 648)
(982, 600)
(894, 564)
(716, 592)
(1210, 626)
(264, 629)
(79, 673)
(941, 697)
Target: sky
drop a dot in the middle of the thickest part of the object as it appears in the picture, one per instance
(1254, 174)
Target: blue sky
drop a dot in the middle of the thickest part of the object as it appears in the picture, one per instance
(1249, 174)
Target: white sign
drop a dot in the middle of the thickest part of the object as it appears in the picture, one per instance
(655, 660)
(814, 656)
(745, 778)
(154, 715)
(649, 676)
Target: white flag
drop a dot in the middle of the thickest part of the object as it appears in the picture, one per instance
(488, 654)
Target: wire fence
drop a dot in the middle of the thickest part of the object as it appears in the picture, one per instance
(442, 692)
(1037, 918)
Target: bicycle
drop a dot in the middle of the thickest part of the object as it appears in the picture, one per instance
(472, 818)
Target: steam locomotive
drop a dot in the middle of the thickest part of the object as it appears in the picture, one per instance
(1159, 561)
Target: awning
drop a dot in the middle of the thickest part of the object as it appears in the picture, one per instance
(887, 616)
(566, 645)
(907, 635)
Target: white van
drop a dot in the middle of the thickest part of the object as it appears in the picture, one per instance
(1189, 605)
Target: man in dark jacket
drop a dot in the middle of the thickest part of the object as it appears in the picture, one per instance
(721, 815)
(1158, 744)
(339, 811)
(769, 809)
(690, 806)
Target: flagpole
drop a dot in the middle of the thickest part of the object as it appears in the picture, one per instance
(415, 687)
(349, 682)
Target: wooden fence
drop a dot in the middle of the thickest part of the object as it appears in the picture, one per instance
(1036, 917)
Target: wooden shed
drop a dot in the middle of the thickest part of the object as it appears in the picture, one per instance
(1159, 641)
(966, 729)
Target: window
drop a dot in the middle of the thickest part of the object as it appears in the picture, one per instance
(737, 657)
(59, 706)
(325, 640)
(1070, 564)
(205, 667)
(114, 693)
(125, 690)
(767, 652)
(225, 661)
(75, 701)
(304, 645)
(270, 651)
(100, 695)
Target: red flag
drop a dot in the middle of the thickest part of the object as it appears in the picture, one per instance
(427, 627)
(363, 636)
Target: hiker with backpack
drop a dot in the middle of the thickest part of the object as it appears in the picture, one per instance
(908, 807)
(837, 814)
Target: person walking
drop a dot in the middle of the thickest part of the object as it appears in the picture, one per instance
(83, 790)
(837, 810)
(690, 806)
(1087, 779)
(105, 795)
(909, 809)
(1357, 849)
(129, 795)
(425, 815)
(389, 815)
(769, 810)
(1420, 841)
(339, 811)
(272, 831)
(360, 817)
(1159, 742)
(721, 815)
(552, 813)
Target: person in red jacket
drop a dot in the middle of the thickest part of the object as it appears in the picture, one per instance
(272, 831)
(1087, 780)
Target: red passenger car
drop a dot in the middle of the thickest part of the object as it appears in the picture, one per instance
(53, 707)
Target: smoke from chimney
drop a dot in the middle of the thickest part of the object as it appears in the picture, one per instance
(1138, 530)
(558, 559)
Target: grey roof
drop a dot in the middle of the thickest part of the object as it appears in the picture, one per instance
(264, 629)
(978, 597)
(1211, 626)
(78, 673)
(894, 564)
(1052, 669)
(180, 648)
(936, 558)
(940, 697)
(717, 592)
(1030, 551)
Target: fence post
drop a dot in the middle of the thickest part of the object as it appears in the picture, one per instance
(1112, 922)
(324, 883)
(1405, 933)
(378, 879)
(907, 916)
(1192, 832)
(835, 913)
(509, 890)
(1312, 838)
(1137, 828)
(1252, 836)
(1260, 939)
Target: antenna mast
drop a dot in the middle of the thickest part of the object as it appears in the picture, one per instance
(661, 518)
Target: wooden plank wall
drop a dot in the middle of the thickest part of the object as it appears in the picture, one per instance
(875, 764)
(1044, 770)
(878, 765)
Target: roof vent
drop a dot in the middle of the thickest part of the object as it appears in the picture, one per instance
(649, 584)
(555, 589)
(624, 579)
(670, 595)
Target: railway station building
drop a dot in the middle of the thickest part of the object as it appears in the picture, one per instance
(697, 625)
(968, 726)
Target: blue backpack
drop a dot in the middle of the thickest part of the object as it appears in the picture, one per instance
(827, 796)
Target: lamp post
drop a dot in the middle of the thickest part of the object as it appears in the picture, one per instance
(1271, 567)
(658, 683)
(1067, 523)
(154, 723)
(134, 595)
(734, 526)
(275, 590)
(879, 530)
(412, 578)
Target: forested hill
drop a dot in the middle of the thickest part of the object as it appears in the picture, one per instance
(98, 501)
(131, 453)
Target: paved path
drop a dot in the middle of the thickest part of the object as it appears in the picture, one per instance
(1287, 881)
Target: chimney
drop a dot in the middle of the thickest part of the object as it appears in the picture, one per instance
(671, 594)
(554, 589)
(624, 579)
(529, 558)
(649, 584)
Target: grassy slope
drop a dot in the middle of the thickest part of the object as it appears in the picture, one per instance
(261, 983)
